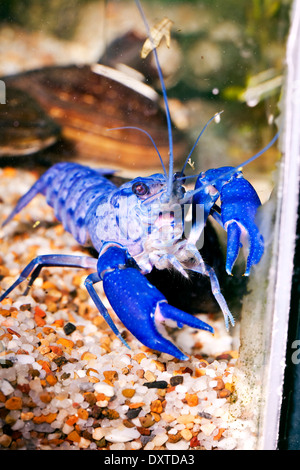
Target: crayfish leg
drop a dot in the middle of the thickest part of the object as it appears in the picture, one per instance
(33, 269)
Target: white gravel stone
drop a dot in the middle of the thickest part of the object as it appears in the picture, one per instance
(98, 433)
(104, 388)
(6, 388)
(180, 445)
(122, 434)
(25, 359)
(228, 443)
(160, 439)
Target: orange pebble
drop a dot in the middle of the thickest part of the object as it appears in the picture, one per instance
(219, 434)
(58, 323)
(48, 285)
(138, 357)
(128, 392)
(83, 414)
(7, 301)
(39, 321)
(192, 399)
(156, 406)
(225, 393)
(101, 397)
(194, 442)
(66, 342)
(39, 312)
(51, 379)
(4, 312)
(13, 403)
(9, 171)
(45, 365)
(56, 350)
(136, 405)
(49, 418)
(74, 436)
(13, 332)
(199, 372)
(45, 397)
(72, 420)
(87, 356)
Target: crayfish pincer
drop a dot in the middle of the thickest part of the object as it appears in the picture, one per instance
(141, 225)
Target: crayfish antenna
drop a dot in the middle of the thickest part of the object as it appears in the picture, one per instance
(165, 98)
(258, 154)
(148, 135)
(230, 171)
(198, 138)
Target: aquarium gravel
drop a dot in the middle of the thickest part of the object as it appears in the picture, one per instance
(66, 381)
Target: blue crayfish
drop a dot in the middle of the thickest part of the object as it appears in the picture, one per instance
(141, 225)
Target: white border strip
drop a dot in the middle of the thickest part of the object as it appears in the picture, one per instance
(287, 213)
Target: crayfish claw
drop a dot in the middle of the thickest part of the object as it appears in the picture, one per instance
(165, 311)
(239, 205)
(140, 306)
(254, 240)
(169, 312)
(163, 345)
(233, 245)
(256, 248)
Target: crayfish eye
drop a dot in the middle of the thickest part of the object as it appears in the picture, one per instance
(178, 175)
(140, 189)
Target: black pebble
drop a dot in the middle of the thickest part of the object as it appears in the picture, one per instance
(6, 364)
(176, 380)
(205, 415)
(60, 361)
(156, 384)
(133, 413)
(96, 411)
(69, 328)
(146, 439)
